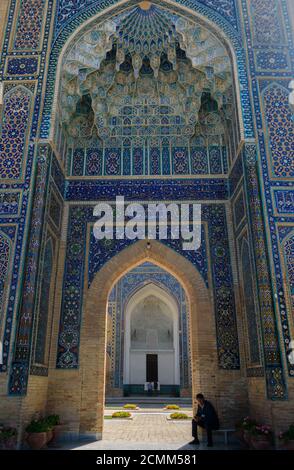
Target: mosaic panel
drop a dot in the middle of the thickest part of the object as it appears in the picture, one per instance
(236, 174)
(267, 22)
(132, 189)
(130, 161)
(43, 311)
(273, 60)
(55, 210)
(22, 66)
(20, 365)
(276, 387)
(280, 130)
(276, 382)
(5, 251)
(29, 25)
(248, 296)
(9, 203)
(24, 187)
(239, 209)
(284, 201)
(15, 124)
(7, 257)
(289, 259)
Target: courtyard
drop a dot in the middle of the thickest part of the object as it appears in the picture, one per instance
(149, 429)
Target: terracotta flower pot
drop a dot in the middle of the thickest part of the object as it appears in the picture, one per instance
(50, 436)
(247, 438)
(57, 431)
(260, 443)
(239, 435)
(37, 440)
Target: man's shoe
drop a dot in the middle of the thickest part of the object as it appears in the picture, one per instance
(195, 442)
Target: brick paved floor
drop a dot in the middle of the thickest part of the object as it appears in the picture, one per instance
(144, 432)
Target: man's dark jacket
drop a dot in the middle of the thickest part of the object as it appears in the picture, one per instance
(208, 415)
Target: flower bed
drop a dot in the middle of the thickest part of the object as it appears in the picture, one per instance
(121, 414)
(179, 416)
(130, 406)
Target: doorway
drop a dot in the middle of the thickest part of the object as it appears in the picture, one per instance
(152, 368)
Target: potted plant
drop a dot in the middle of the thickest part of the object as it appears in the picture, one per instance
(239, 433)
(7, 438)
(56, 427)
(247, 425)
(37, 433)
(287, 438)
(261, 437)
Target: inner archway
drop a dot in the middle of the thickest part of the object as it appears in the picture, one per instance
(94, 326)
(152, 342)
(148, 315)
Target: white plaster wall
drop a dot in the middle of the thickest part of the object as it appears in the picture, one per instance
(166, 370)
(168, 360)
(166, 367)
(137, 367)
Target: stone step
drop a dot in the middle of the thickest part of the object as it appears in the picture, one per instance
(149, 401)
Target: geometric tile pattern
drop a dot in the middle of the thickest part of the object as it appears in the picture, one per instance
(14, 130)
(29, 24)
(280, 126)
(289, 257)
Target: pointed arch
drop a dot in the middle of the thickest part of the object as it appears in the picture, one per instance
(94, 328)
(205, 16)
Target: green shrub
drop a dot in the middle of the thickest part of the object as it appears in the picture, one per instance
(248, 424)
(172, 407)
(40, 425)
(53, 420)
(121, 414)
(179, 416)
(130, 406)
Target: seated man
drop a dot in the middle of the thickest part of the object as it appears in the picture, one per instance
(206, 418)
